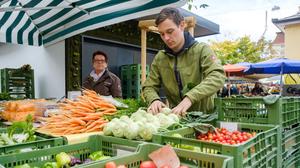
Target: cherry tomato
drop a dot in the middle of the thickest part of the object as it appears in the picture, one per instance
(147, 164)
(110, 165)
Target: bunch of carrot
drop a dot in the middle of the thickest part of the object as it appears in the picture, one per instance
(81, 116)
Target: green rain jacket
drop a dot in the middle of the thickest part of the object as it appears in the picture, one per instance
(196, 65)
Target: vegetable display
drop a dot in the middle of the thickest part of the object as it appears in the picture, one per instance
(223, 136)
(19, 132)
(64, 160)
(85, 115)
(140, 125)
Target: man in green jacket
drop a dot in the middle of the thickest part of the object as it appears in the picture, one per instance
(188, 71)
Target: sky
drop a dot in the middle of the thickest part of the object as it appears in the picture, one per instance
(238, 18)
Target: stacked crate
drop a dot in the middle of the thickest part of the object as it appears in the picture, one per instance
(131, 80)
(18, 83)
(285, 112)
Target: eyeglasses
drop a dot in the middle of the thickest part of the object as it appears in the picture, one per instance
(99, 61)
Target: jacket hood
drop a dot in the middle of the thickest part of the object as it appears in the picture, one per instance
(188, 42)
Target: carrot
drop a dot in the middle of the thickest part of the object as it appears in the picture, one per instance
(76, 120)
(84, 109)
(79, 113)
(95, 129)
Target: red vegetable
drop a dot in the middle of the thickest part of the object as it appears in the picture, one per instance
(147, 164)
(110, 165)
(121, 166)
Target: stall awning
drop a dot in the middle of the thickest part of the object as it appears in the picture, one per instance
(36, 22)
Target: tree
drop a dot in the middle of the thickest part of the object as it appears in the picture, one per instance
(191, 4)
(240, 50)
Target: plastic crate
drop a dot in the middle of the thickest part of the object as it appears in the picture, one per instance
(42, 142)
(17, 83)
(290, 142)
(285, 111)
(131, 80)
(292, 161)
(108, 145)
(189, 158)
(261, 151)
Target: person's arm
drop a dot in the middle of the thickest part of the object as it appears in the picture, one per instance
(151, 86)
(213, 77)
(116, 89)
(86, 84)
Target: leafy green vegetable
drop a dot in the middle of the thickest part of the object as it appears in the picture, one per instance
(96, 155)
(23, 166)
(5, 96)
(62, 159)
(133, 106)
(26, 127)
(50, 165)
(198, 117)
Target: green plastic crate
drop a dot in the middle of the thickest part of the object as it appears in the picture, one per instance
(42, 142)
(290, 141)
(261, 151)
(110, 146)
(189, 158)
(17, 83)
(292, 161)
(131, 80)
(285, 111)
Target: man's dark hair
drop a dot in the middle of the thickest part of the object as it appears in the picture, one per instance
(169, 13)
(100, 53)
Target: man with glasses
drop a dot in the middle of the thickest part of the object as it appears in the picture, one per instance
(101, 79)
(188, 70)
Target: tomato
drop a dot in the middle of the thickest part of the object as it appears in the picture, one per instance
(245, 137)
(249, 135)
(165, 166)
(183, 166)
(121, 166)
(110, 165)
(232, 142)
(147, 164)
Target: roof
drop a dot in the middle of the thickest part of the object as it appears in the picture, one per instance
(203, 27)
(279, 38)
(290, 20)
(36, 22)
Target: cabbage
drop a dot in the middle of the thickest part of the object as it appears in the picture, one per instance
(125, 119)
(141, 111)
(164, 120)
(174, 117)
(152, 119)
(118, 129)
(132, 130)
(115, 120)
(166, 110)
(107, 130)
(147, 130)
(140, 115)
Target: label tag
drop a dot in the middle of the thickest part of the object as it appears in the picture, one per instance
(72, 95)
(230, 126)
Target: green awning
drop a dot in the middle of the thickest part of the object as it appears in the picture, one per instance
(44, 22)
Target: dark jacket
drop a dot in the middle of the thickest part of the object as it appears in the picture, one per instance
(108, 84)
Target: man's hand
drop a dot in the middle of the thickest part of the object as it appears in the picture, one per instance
(182, 107)
(156, 106)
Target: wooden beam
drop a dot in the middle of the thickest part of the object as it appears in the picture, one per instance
(143, 53)
(190, 23)
(149, 25)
